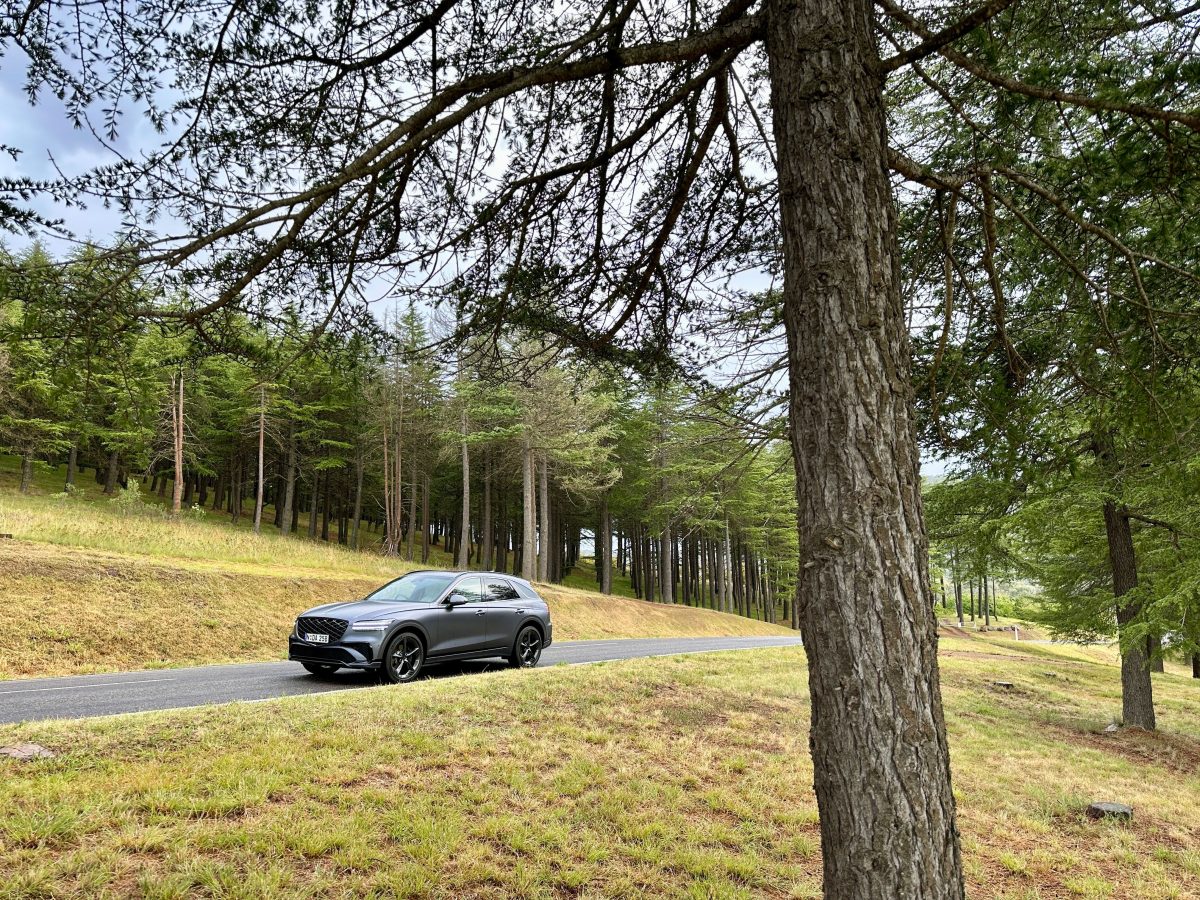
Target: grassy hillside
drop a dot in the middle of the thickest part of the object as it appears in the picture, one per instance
(97, 590)
(685, 776)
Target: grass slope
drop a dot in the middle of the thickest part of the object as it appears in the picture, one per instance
(685, 776)
(96, 590)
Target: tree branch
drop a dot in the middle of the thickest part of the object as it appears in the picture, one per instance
(935, 42)
(1136, 110)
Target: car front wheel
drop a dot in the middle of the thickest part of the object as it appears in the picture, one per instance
(404, 658)
(528, 648)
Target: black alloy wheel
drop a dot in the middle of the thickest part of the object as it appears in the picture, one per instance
(404, 657)
(528, 649)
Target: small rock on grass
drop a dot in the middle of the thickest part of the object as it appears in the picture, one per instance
(1106, 810)
(28, 751)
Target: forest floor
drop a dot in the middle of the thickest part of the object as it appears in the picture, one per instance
(99, 588)
(682, 776)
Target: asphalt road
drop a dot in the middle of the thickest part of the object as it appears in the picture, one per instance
(80, 696)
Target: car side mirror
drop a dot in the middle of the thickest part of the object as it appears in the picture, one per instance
(456, 600)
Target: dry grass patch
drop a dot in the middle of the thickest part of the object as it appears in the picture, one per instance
(88, 609)
(685, 776)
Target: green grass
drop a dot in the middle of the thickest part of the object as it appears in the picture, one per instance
(685, 776)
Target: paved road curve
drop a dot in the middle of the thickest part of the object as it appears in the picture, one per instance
(78, 696)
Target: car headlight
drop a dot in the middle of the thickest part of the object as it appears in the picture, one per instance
(372, 625)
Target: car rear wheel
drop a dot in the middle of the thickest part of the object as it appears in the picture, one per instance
(528, 648)
(320, 668)
(404, 658)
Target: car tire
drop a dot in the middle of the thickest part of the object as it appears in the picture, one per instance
(404, 658)
(320, 668)
(527, 649)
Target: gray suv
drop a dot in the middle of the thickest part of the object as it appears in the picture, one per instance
(425, 617)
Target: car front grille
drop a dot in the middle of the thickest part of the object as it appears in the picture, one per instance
(335, 628)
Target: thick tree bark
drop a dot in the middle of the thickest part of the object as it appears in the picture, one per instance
(880, 757)
(1137, 690)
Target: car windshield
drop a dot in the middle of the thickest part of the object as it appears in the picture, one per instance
(417, 587)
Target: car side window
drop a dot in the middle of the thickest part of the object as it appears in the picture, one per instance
(498, 589)
(527, 592)
(471, 588)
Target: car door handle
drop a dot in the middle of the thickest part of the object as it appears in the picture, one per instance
(519, 612)
(480, 612)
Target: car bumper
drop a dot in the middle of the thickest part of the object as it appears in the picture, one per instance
(355, 655)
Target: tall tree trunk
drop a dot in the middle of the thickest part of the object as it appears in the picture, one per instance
(1137, 690)
(357, 510)
(666, 564)
(235, 498)
(314, 501)
(878, 737)
(425, 519)
(488, 551)
(262, 433)
(464, 539)
(73, 466)
(544, 534)
(27, 471)
(177, 441)
(727, 573)
(504, 529)
(325, 508)
(1154, 652)
(648, 564)
(604, 546)
(412, 511)
(110, 476)
(289, 483)
(1196, 665)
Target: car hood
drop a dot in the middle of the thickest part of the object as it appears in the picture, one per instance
(353, 610)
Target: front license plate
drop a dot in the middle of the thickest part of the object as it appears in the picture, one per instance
(317, 638)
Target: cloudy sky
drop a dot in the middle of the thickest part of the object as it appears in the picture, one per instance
(47, 139)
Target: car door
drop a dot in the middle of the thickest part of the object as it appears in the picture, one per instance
(462, 629)
(506, 610)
